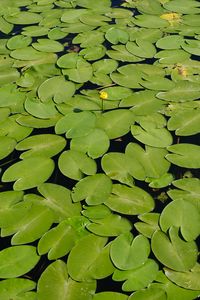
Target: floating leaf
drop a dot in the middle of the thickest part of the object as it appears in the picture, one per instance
(137, 278)
(116, 123)
(183, 91)
(110, 225)
(54, 283)
(7, 145)
(39, 109)
(151, 293)
(56, 88)
(187, 218)
(184, 155)
(185, 122)
(174, 253)
(41, 170)
(188, 280)
(58, 199)
(149, 224)
(17, 288)
(141, 48)
(23, 18)
(170, 42)
(44, 144)
(94, 189)
(129, 200)
(76, 124)
(95, 144)
(17, 261)
(74, 164)
(116, 35)
(46, 45)
(120, 53)
(125, 252)
(85, 253)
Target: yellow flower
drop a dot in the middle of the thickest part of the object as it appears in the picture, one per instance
(103, 95)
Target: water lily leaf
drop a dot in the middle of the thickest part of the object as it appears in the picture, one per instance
(96, 212)
(75, 164)
(129, 200)
(5, 26)
(17, 261)
(56, 88)
(105, 66)
(192, 20)
(116, 92)
(174, 253)
(95, 144)
(12, 129)
(172, 56)
(99, 4)
(89, 39)
(82, 72)
(120, 53)
(151, 293)
(85, 254)
(141, 48)
(72, 15)
(7, 145)
(46, 45)
(111, 225)
(58, 199)
(115, 35)
(161, 182)
(191, 46)
(56, 34)
(143, 102)
(188, 280)
(23, 18)
(17, 288)
(182, 6)
(41, 170)
(41, 144)
(32, 225)
(157, 83)
(187, 218)
(185, 122)
(77, 27)
(157, 137)
(184, 155)
(149, 7)
(4, 113)
(116, 123)
(115, 166)
(93, 53)
(18, 41)
(110, 295)
(170, 42)
(33, 122)
(76, 124)
(27, 53)
(35, 31)
(150, 21)
(124, 251)
(39, 109)
(58, 241)
(182, 92)
(9, 75)
(188, 190)
(149, 224)
(139, 277)
(150, 162)
(126, 80)
(94, 19)
(68, 60)
(54, 282)
(94, 189)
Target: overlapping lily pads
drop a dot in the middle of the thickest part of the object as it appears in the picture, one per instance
(99, 124)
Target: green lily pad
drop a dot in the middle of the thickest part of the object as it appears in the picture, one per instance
(174, 253)
(184, 155)
(125, 252)
(17, 287)
(7, 145)
(150, 21)
(41, 144)
(41, 170)
(120, 53)
(141, 48)
(170, 42)
(46, 45)
(26, 257)
(75, 164)
(23, 18)
(116, 35)
(39, 109)
(110, 295)
(187, 218)
(129, 200)
(18, 41)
